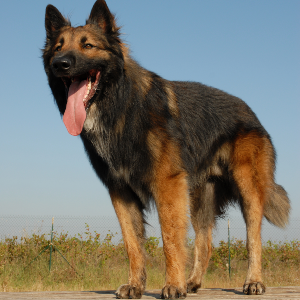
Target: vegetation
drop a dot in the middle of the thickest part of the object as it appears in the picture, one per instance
(99, 264)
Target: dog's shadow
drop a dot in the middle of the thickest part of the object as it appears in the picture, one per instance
(113, 292)
(156, 295)
(233, 291)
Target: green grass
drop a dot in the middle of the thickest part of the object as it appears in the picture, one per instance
(100, 264)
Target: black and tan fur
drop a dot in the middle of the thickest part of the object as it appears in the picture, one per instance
(187, 148)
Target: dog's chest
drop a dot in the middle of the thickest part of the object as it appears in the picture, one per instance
(101, 141)
(105, 141)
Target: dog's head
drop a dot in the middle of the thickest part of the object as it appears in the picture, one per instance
(79, 60)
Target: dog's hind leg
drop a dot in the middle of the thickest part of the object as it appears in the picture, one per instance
(129, 210)
(202, 218)
(253, 167)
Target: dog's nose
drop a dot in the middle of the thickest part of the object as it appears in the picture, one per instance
(61, 64)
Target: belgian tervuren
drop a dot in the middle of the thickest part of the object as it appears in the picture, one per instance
(187, 148)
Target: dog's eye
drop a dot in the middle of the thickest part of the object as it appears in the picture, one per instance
(58, 48)
(88, 46)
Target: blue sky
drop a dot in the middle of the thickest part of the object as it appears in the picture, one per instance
(250, 49)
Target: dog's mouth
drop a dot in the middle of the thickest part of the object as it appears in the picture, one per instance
(81, 89)
(90, 80)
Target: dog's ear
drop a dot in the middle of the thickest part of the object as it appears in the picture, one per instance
(54, 20)
(101, 15)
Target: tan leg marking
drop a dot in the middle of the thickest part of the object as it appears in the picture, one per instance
(252, 170)
(170, 190)
(202, 254)
(131, 222)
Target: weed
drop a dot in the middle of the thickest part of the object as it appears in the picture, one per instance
(101, 264)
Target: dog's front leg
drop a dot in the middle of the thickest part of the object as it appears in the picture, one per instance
(172, 205)
(129, 210)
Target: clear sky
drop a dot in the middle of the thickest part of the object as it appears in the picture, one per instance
(250, 49)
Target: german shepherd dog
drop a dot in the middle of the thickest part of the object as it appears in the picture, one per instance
(187, 148)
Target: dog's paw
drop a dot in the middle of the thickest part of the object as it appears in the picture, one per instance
(254, 288)
(127, 291)
(192, 287)
(173, 292)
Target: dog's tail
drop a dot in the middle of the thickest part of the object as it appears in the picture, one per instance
(277, 207)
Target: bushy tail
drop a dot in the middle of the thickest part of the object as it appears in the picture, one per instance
(277, 206)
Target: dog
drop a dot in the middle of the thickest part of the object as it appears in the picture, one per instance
(186, 148)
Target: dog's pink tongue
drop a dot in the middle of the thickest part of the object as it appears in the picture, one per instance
(75, 114)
